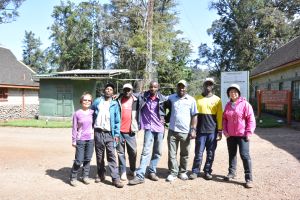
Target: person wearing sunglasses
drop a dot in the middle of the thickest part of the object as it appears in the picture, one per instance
(82, 139)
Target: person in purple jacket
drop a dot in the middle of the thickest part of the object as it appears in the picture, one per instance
(82, 139)
(238, 126)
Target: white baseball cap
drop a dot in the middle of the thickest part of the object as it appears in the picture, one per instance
(127, 85)
(183, 82)
(235, 86)
(209, 80)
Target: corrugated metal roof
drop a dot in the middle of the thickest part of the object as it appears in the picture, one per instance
(79, 74)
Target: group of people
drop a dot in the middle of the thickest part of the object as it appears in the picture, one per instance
(110, 124)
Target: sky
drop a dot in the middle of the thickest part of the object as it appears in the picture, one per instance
(35, 15)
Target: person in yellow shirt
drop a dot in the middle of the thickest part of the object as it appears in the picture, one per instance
(209, 129)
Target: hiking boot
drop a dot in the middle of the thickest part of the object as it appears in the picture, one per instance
(123, 177)
(118, 184)
(136, 180)
(193, 176)
(86, 180)
(183, 176)
(249, 184)
(73, 182)
(208, 176)
(171, 178)
(100, 179)
(229, 177)
(153, 177)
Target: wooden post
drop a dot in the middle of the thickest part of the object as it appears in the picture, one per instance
(289, 108)
(258, 94)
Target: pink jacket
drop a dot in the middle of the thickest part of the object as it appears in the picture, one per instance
(239, 121)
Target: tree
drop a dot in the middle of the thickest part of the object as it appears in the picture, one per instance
(32, 53)
(128, 36)
(247, 32)
(8, 10)
(72, 36)
(117, 33)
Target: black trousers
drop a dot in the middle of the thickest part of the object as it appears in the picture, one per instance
(104, 141)
(233, 143)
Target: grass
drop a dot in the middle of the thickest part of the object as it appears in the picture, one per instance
(268, 122)
(37, 123)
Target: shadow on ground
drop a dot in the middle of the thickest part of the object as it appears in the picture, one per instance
(63, 174)
(283, 138)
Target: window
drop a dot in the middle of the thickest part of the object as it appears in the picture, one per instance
(296, 90)
(3, 94)
(280, 86)
(255, 92)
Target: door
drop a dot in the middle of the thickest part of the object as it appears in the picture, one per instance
(64, 101)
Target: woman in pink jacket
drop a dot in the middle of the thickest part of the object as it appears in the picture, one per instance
(238, 126)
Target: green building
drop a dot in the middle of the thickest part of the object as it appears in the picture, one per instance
(60, 92)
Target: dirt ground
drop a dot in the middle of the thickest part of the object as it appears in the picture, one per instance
(35, 164)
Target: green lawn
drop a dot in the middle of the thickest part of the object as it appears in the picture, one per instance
(268, 122)
(37, 123)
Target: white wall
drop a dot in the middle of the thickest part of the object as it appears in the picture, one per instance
(15, 97)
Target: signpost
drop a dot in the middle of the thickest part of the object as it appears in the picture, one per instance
(275, 100)
(239, 77)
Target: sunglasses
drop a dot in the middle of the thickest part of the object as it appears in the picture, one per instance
(87, 100)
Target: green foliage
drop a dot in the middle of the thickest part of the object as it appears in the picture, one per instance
(8, 10)
(33, 54)
(247, 32)
(71, 35)
(118, 34)
(37, 123)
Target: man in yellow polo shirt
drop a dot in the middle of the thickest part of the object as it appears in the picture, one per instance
(209, 129)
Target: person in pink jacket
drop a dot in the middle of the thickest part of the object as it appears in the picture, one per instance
(238, 126)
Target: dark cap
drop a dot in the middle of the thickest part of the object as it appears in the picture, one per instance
(110, 85)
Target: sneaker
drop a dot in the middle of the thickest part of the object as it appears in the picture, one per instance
(99, 179)
(136, 180)
(153, 177)
(73, 182)
(123, 177)
(183, 176)
(171, 178)
(193, 176)
(208, 176)
(118, 184)
(86, 180)
(229, 177)
(249, 184)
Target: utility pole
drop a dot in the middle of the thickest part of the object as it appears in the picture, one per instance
(150, 72)
(93, 33)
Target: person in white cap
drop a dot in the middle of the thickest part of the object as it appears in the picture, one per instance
(183, 122)
(209, 129)
(238, 126)
(129, 128)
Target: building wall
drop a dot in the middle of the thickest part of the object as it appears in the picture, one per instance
(13, 108)
(60, 98)
(273, 79)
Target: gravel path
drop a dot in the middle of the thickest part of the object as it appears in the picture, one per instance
(35, 164)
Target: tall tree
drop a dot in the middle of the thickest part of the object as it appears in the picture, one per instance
(247, 32)
(8, 10)
(32, 53)
(72, 36)
(127, 26)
